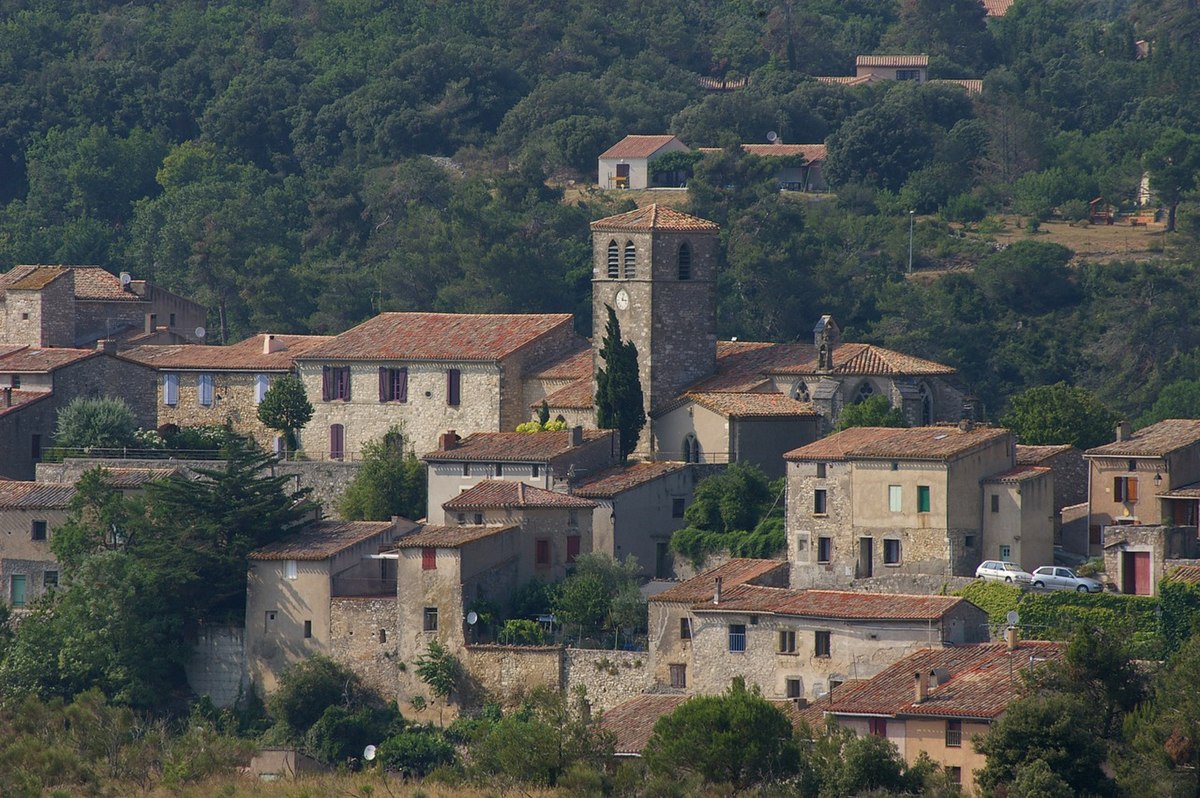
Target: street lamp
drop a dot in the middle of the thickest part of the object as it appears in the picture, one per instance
(911, 215)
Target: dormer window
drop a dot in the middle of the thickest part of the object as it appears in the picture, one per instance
(685, 262)
(630, 260)
(614, 260)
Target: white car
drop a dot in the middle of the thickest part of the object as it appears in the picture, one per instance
(1052, 577)
(999, 571)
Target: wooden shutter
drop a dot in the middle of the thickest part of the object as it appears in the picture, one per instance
(326, 383)
(428, 558)
(572, 547)
(385, 384)
(337, 441)
(400, 387)
(1131, 489)
(453, 387)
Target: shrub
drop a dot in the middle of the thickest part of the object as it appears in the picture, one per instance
(310, 687)
(96, 423)
(522, 632)
(416, 751)
(964, 208)
(1074, 210)
(341, 733)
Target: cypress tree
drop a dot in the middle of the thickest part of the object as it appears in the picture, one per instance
(618, 388)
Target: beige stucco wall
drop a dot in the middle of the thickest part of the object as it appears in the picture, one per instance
(1024, 522)
(887, 73)
(764, 441)
(640, 520)
(1105, 510)
(639, 172)
(711, 429)
(929, 735)
(233, 400)
(20, 555)
(272, 645)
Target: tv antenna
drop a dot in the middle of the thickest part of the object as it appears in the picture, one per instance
(772, 137)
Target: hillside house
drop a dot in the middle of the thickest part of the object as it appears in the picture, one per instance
(626, 164)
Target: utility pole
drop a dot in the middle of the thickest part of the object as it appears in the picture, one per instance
(911, 214)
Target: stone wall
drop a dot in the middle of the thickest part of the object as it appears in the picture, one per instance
(609, 677)
(362, 636)
(923, 584)
(217, 666)
(233, 401)
(509, 673)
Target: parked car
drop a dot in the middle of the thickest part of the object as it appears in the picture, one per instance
(999, 571)
(1052, 577)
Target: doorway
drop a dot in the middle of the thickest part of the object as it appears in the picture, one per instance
(866, 557)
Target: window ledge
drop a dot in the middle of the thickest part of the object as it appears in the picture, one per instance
(787, 653)
(820, 515)
(892, 564)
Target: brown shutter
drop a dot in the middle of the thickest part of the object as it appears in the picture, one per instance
(1131, 489)
(337, 442)
(401, 384)
(453, 387)
(383, 384)
(326, 384)
(1118, 489)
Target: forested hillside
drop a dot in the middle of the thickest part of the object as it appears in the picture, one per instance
(271, 159)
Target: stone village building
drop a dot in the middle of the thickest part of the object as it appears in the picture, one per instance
(872, 501)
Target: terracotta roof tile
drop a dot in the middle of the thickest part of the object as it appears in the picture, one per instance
(752, 405)
(1037, 455)
(996, 8)
(846, 80)
(575, 365)
(21, 399)
(829, 604)
(576, 396)
(656, 217)
(1155, 440)
(892, 60)
(1020, 473)
(505, 493)
(813, 153)
(321, 540)
(1186, 573)
(439, 336)
(983, 682)
(245, 355)
(972, 86)
(91, 282)
(632, 723)
(28, 360)
(637, 146)
(517, 447)
(37, 278)
(450, 537)
(18, 495)
(618, 479)
(1189, 491)
(942, 442)
(733, 573)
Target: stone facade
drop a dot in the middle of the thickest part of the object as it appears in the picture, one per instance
(362, 634)
(1015, 507)
(234, 400)
(1160, 548)
(29, 560)
(508, 674)
(42, 316)
(608, 678)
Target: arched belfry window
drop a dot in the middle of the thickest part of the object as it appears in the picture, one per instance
(926, 406)
(691, 449)
(802, 394)
(614, 260)
(865, 392)
(685, 261)
(630, 260)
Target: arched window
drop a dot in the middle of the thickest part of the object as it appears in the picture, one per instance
(865, 392)
(926, 406)
(685, 261)
(802, 393)
(630, 260)
(614, 260)
(691, 449)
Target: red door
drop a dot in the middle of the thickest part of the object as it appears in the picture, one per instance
(1135, 573)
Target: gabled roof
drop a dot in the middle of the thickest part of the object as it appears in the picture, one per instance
(655, 217)
(22, 399)
(1037, 455)
(892, 60)
(941, 442)
(637, 146)
(1186, 573)
(516, 447)
(983, 680)
(493, 493)
(1021, 473)
(733, 573)
(450, 537)
(1156, 440)
(812, 152)
(836, 604)
(618, 479)
(753, 405)
(91, 282)
(632, 722)
(575, 396)
(972, 86)
(245, 355)
(19, 495)
(996, 8)
(321, 540)
(575, 365)
(31, 360)
(846, 80)
(439, 336)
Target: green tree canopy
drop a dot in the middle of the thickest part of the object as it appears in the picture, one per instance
(103, 423)
(738, 510)
(874, 411)
(310, 687)
(602, 594)
(285, 408)
(390, 481)
(619, 401)
(1060, 413)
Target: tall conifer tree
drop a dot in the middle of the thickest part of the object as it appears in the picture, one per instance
(618, 388)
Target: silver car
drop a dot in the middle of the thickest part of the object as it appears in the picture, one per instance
(1000, 571)
(1052, 577)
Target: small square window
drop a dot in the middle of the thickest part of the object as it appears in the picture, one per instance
(430, 619)
(787, 641)
(534, 470)
(677, 507)
(820, 471)
(679, 676)
(428, 558)
(824, 549)
(820, 502)
(891, 551)
(823, 645)
(269, 619)
(995, 503)
(383, 635)
(795, 688)
(969, 541)
(955, 773)
(49, 580)
(895, 499)
(24, 317)
(291, 570)
(38, 531)
(307, 629)
(685, 628)
(737, 638)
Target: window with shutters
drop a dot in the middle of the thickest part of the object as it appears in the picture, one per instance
(393, 384)
(170, 389)
(453, 387)
(679, 676)
(877, 727)
(541, 552)
(922, 498)
(337, 442)
(823, 646)
(787, 641)
(204, 389)
(335, 383)
(428, 558)
(1125, 489)
(895, 499)
(262, 383)
(614, 260)
(630, 262)
(572, 548)
(685, 262)
(290, 570)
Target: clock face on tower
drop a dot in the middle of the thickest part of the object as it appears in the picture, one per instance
(622, 299)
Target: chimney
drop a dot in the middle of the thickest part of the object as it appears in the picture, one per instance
(7, 398)
(1123, 431)
(1010, 638)
(922, 688)
(272, 344)
(717, 592)
(966, 425)
(521, 493)
(576, 438)
(106, 345)
(447, 441)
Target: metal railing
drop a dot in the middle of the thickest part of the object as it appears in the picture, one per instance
(58, 454)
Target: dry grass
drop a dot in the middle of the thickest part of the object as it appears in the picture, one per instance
(1096, 243)
(360, 785)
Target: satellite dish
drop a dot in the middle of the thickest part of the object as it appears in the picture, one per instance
(200, 332)
(472, 618)
(772, 136)
(126, 278)
(1013, 617)
(369, 753)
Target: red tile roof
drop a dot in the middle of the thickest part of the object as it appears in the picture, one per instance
(1186, 573)
(321, 540)
(846, 80)
(972, 86)
(572, 366)
(637, 146)
(576, 396)
(752, 405)
(450, 537)
(813, 153)
(733, 573)
(655, 217)
(504, 493)
(29, 360)
(22, 398)
(838, 604)
(632, 723)
(618, 479)
(892, 60)
(1036, 455)
(17, 495)
(37, 278)
(841, 445)
(245, 355)
(439, 336)
(996, 8)
(1155, 440)
(1020, 473)
(983, 680)
(91, 282)
(942, 442)
(518, 447)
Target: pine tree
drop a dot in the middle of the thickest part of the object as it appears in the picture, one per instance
(618, 388)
